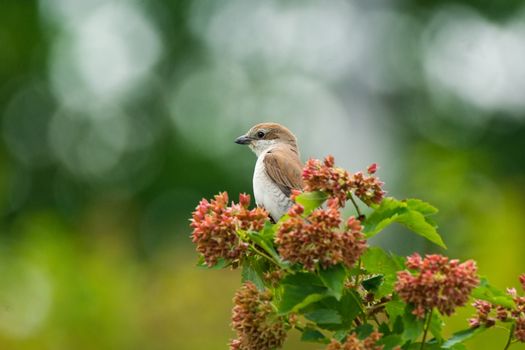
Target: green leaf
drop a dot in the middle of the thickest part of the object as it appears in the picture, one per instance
(340, 335)
(324, 316)
(461, 336)
(413, 327)
(253, 271)
(391, 341)
(395, 308)
(373, 283)
(312, 335)
(384, 329)
(377, 261)
(436, 326)
(311, 200)
(428, 346)
(334, 279)
(398, 327)
(264, 239)
(420, 206)
(201, 263)
(485, 291)
(383, 216)
(268, 231)
(300, 290)
(220, 264)
(364, 330)
(412, 213)
(417, 222)
(350, 306)
(347, 309)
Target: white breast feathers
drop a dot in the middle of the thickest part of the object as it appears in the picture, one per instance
(267, 194)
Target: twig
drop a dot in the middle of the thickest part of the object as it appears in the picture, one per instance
(376, 319)
(509, 341)
(263, 254)
(355, 205)
(427, 326)
(357, 279)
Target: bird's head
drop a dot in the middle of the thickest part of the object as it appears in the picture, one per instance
(265, 135)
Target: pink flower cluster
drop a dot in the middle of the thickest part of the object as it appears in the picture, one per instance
(253, 319)
(488, 313)
(368, 188)
(352, 342)
(436, 282)
(337, 182)
(324, 176)
(318, 240)
(215, 226)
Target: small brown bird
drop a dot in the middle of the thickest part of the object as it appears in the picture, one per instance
(278, 167)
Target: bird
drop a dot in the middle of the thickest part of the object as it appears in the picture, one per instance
(278, 169)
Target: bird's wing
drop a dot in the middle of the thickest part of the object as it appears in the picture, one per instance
(283, 166)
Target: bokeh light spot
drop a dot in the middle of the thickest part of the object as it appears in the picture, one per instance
(104, 55)
(478, 61)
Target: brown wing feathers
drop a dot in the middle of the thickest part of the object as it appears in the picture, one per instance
(283, 166)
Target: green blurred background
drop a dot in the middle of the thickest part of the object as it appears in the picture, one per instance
(118, 116)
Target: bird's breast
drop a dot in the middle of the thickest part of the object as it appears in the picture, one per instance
(266, 192)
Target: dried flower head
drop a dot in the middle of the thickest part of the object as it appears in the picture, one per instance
(436, 282)
(352, 342)
(519, 331)
(483, 316)
(368, 188)
(273, 278)
(337, 182)
(318, 240)
(324, 176)
(215, 226)
(516, 314)
(254, 321)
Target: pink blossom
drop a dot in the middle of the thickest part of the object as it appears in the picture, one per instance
(436, 282)
(338, 183)
(215, 226)
(352, 342)
(318, 240)
(254, 321)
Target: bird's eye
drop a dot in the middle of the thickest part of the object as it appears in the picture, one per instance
(260, 134)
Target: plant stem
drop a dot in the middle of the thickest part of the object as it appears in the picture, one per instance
(379, 306)
(376, 320)
(299, 328)
(355, 205)
(357, 277)
(427, 326)
(509, 341)
(360, 307)
(264, 254)
(302, 327)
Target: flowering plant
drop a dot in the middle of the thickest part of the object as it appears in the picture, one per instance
(315, 273)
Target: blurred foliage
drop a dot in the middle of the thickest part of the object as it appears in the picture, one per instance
(118, 116)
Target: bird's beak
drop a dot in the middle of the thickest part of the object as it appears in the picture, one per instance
(243, 140)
